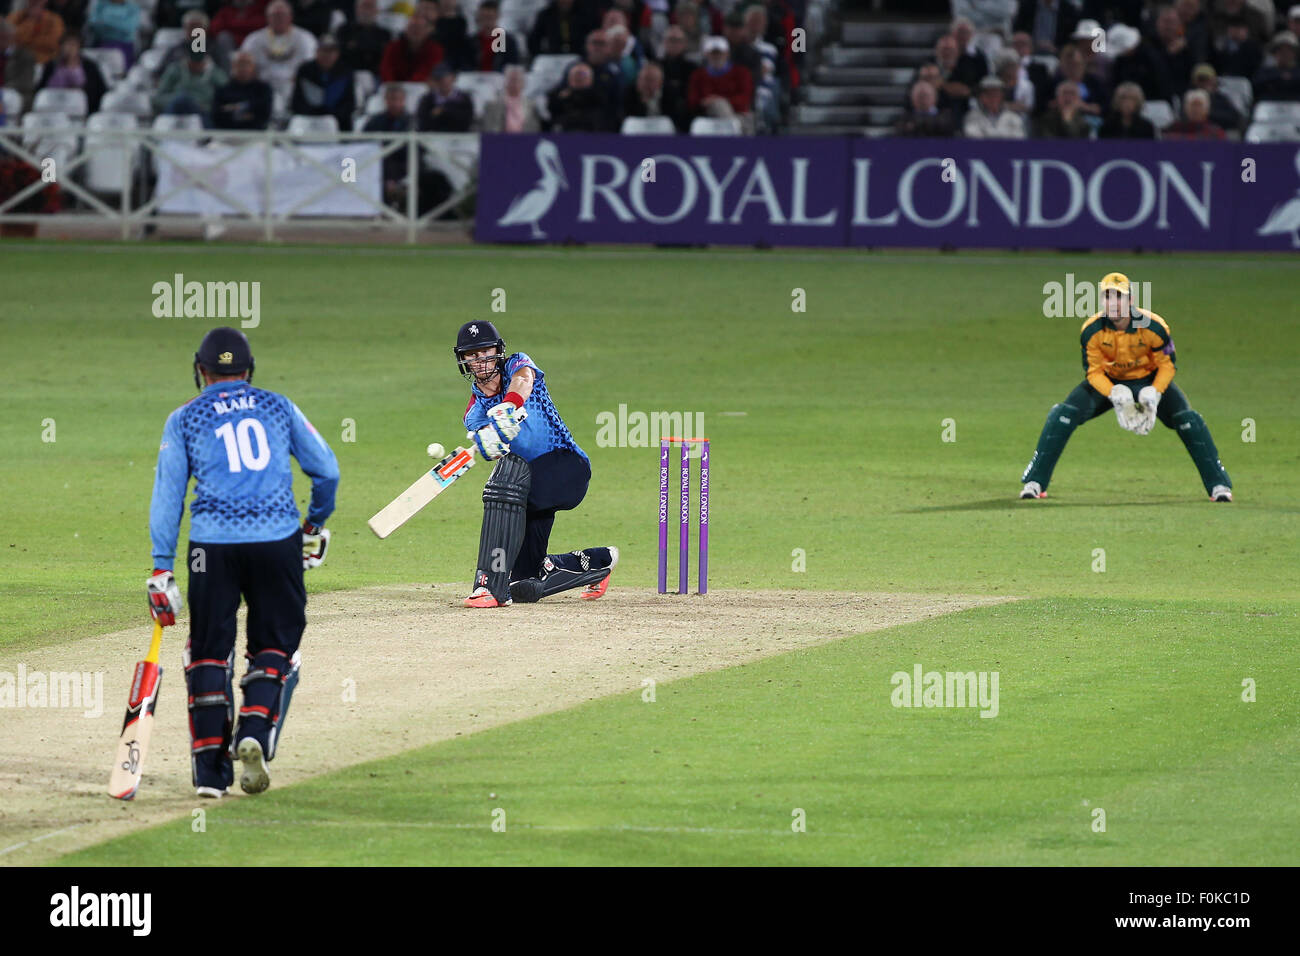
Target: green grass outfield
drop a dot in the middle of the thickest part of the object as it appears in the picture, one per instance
(1121, 689)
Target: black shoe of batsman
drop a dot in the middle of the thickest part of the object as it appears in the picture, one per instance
(589, 569)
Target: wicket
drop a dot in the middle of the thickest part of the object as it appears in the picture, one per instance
(703, 534)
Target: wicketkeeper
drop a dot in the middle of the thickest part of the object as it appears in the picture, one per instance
(540, 470)
(1128, 358)
(235, 441)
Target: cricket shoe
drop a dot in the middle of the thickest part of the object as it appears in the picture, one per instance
(593, 591)
(210, 792)
(255, 777)
(1032, 489)
(1221, 493)
(482, 597)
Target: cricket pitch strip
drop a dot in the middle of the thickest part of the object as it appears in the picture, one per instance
(389, 669)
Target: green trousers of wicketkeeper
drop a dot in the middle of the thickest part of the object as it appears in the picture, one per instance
(1085, 403)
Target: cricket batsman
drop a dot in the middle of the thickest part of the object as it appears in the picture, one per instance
(539, 470)
(1128, 358)
(235, 441)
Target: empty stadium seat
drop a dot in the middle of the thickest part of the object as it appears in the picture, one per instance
(71, 103)
(50, 135)
(1273, 133)
(172, 121)
(126, 100)
(647, 126)
(363, 84)
(547, 71)
(414, 93)
(110, 60)
(150, 60)
(1239, 91)
(482, 88)
(375, 104)
(1159, 113)
(110, 165)
(715, 126)
(13, 104)
(299, 124)
(1274, 111)
(165, 38)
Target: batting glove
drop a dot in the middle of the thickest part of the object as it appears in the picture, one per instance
(315, 542)
(507, 417)
(489, 442)
(164, 597)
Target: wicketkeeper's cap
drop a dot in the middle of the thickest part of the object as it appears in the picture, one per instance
(1114, 280)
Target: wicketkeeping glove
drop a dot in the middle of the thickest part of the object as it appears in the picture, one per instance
(1126, 412)
(164, 597)
(315, 542)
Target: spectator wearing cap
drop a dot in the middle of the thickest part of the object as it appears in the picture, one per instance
(1049, 23)
(561, 27)
(1134, 61)
(1253, 19)
(1125, 119)
(279, 48)
(114, 24)
(69, 70)
(444, 109)
(189, 86)
(17, 65)
(1172, 51)
(362, 39)
(1281, 80)
(411, 57)
(513, 111)
(37, 30)
(721, 87)
(324, 86)
(179, 52)
(990, 118)
(924, 118)
(678, 69)
(1237, 52)
(1195, 123)
(1065, 119)
(232, 24)
(1089, 39)
(576, 104)
(244, 102)
(393, 119)
(1223, 112)
(490, 48)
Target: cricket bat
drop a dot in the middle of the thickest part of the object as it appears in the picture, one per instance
(427, 487)
(137, 727)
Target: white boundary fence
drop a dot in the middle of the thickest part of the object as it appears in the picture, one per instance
(131, 200)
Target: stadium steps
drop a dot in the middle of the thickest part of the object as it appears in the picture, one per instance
(859, 84)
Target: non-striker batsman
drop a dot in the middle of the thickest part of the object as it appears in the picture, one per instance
(235, 441)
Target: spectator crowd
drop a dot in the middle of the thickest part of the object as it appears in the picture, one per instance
(1109, 69)
(251, 64)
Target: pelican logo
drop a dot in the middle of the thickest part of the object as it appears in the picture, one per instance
(527, 209)
(225, 358)
(1285, 218)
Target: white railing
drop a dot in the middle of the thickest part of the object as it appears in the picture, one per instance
(114, 177)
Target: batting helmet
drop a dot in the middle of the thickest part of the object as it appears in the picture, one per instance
(474, 337)
(224, 351)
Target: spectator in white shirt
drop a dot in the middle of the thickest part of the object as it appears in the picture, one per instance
(991, 119)
(280, 48)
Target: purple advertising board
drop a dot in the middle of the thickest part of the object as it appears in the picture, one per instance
(849, 191)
